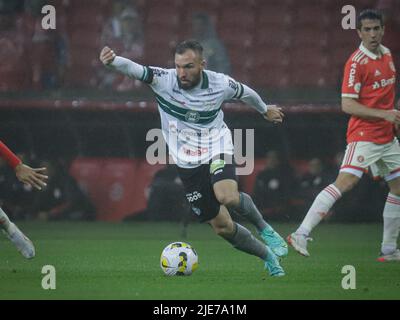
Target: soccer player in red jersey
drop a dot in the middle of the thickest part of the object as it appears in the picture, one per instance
(368, 95)
(32, 177)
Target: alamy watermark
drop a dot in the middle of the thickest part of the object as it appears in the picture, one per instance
(49, 279)
(349, 280)
(349, 20)
(194, 147)
(49, 20)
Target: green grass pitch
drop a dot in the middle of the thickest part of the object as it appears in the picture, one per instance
(121, 261)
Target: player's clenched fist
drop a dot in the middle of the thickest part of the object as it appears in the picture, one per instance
(107, 55)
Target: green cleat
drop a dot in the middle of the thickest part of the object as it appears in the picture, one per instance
(272, 264)
(273, 240)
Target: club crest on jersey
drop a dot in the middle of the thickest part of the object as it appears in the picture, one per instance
(192, 116)
(360, 159)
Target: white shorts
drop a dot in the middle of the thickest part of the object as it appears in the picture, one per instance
(382, 159)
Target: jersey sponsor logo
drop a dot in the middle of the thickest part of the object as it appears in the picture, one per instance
(210, 103)
(352, 74)
(187, 134)
(159, 72)
(387, 82)
(383, 83)
(192, 116)
(211, 93)
(176, 100)
(233, 84)
(197, 152)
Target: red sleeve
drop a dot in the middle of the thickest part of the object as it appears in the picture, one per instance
(10, 157)
(351, 84)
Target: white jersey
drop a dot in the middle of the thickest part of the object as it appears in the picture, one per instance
(192, 121)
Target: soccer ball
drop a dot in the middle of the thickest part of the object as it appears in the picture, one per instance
(179, 259)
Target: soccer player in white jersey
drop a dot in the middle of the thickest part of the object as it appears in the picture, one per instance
(368, 95)
(189, 101)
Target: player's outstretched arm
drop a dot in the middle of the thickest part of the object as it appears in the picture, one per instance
(24, 173)
(270, 112)
(31, 176)
(123, 65)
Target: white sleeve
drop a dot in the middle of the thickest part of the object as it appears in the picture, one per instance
(252, 98)
(132, 69)
(239, 91)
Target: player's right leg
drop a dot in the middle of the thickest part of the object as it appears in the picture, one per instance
(318, 210)
(358, 157)
(205, 206)
(21, 242)
(225, 187)
(225, 190)
(242, 239)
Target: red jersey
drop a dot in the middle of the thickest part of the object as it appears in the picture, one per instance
(370, 79)
(9, 156)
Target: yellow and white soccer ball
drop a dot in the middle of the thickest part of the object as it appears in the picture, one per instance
(179, 259)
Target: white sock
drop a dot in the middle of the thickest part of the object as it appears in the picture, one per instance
(5, 222)
(391, 224)
(320, 207)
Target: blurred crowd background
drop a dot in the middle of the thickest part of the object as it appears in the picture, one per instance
(59, 107)
(266, 43)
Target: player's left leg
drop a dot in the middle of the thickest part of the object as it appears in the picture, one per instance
(200, 194)
(391, 223)
(226, 192)
(242, 239)
(21, 242)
